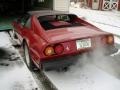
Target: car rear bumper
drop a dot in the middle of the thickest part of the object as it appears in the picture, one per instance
(67, 60)
(111, 50)
(60, 62)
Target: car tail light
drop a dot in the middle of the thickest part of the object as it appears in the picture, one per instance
(108, 39)
(59, 49)
(52, 50)
(49, 51)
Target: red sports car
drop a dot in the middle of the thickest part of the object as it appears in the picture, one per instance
(49, 38)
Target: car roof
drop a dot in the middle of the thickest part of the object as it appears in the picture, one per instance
(46, 12)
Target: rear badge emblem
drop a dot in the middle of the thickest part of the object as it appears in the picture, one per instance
(67, 48)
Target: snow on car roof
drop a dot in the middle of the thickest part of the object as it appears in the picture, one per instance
(47, 12)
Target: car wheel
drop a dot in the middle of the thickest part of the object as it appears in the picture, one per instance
(27, 58)
(63, 69)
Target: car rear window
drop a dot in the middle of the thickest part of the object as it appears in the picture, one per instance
(49, 22)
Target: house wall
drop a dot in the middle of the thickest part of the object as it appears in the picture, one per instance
(61, 5)
(95, 4)
(45, 4)
(100, 7)
(119, 5)
(89, 3)
(100, 4)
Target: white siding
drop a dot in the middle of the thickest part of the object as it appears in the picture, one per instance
(61, 5)
(95, 4)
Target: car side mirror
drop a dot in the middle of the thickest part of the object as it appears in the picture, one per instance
(18, 20)
(20, 24)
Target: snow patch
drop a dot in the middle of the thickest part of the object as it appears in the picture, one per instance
(4, 40)
(92, 72)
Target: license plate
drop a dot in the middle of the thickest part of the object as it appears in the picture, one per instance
(84, 43)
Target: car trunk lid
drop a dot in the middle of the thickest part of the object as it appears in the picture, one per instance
(72, 33)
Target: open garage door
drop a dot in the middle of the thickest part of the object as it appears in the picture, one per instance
(10, 9)
(43, 5)
(21, 6)
(15, 6)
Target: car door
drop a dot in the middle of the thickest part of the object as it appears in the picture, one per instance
(30, 37)
(19, 26)
(23, 29)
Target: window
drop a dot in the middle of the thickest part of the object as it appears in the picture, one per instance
(23, 19)
(40, 1)
(28, 23)
(95, 0)
(107, 0)
(50, 22)
(63, 17)
(115, 0)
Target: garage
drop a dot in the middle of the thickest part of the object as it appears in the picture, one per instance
(10, 9)
(21, 6)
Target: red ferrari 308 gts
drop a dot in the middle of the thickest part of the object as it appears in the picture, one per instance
(49, 38)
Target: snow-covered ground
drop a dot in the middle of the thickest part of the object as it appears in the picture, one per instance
(14, 74)
(86, 75)
(92, 72)
(4, 40)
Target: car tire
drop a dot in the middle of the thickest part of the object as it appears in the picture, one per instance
(63, 69)
(27, 58)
